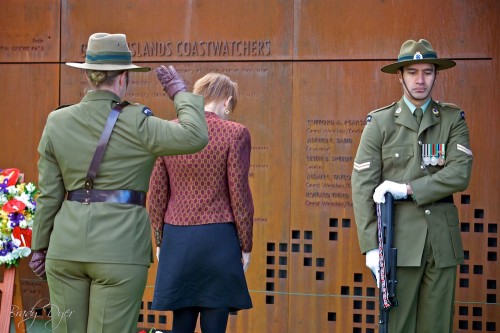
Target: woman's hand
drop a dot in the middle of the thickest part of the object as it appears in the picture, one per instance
(245, 259)
(158, 253)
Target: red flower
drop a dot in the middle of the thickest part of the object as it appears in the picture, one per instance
(13, 206)
(26, 236)
(12, 174)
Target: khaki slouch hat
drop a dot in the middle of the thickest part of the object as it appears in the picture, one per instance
(108, 52)
(413, 52)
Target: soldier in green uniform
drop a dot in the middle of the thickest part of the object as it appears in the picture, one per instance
(94, 236)
(418, 150)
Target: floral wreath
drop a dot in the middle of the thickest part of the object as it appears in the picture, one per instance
(17, 209)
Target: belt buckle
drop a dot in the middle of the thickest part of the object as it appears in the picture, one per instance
(87, 198)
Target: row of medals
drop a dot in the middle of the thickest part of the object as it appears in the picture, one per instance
(433, 153)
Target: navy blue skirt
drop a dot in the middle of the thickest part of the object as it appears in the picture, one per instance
(200, 266)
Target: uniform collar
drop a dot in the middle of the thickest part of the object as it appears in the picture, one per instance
(94, 95)
(413, 107)
(404, 116)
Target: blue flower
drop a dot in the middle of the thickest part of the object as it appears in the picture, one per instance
(4, 185)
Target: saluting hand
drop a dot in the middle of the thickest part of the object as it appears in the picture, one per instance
(171, 81)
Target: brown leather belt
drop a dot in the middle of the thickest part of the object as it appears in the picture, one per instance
(117, 196)
(448, 199)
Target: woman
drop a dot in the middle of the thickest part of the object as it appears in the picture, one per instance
(91, 229)
(201, 210)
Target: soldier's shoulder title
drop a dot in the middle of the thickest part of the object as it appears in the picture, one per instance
(147, 111)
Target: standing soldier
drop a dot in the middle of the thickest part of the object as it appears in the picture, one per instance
(91, 230)
(418, 150)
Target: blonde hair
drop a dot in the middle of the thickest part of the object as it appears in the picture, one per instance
(97, 78)
(217, 87)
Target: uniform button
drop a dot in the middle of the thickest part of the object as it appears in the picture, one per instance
(422, 167)
(419, 142)
(397, 155)
(427, 212)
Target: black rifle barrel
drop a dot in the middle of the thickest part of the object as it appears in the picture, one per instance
(390, 258)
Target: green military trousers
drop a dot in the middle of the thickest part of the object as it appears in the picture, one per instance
(426, 296)
(95, 297)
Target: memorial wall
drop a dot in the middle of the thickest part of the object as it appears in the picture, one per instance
(308, 73)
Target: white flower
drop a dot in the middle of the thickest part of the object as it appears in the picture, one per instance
(25, 198)
(6, 258)
(21, 252)
(30, 187)
(3, 198)
(16, 242)
(12, 190)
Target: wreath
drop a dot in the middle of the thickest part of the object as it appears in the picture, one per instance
(17, 209)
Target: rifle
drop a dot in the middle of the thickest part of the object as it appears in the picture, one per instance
(388, 261)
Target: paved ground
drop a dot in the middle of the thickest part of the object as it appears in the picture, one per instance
(36, 326)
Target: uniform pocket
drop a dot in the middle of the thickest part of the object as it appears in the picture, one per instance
(395, 160)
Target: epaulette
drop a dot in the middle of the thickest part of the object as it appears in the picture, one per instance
(369, 116)
(63, 106)
(145, 110)
(450, 105)
(383, 108)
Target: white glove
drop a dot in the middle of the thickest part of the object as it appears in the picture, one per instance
(372, 262)
(158, 253)
(245, 259)
(397, 190)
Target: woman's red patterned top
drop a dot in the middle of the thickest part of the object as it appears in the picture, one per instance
(210, 186)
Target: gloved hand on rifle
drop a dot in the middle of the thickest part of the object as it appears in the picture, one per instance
(372, 262)
(397, 190)
(37, 264)
(171, 81)
(245, 259)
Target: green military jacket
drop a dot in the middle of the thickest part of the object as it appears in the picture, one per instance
(106, 232)
(391, 149)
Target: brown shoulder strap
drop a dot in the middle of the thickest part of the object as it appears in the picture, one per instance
(101, 145)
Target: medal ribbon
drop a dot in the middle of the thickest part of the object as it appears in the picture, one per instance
(381, 262)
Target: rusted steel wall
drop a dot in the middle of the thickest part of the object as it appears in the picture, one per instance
(309, 72)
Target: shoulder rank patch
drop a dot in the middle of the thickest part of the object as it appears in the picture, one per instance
(464, 149)
(361, 166)
(147, 111)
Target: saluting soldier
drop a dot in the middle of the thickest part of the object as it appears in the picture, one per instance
(91, 228)
(418, 150)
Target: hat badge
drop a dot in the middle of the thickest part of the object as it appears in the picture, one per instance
(417, 56)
